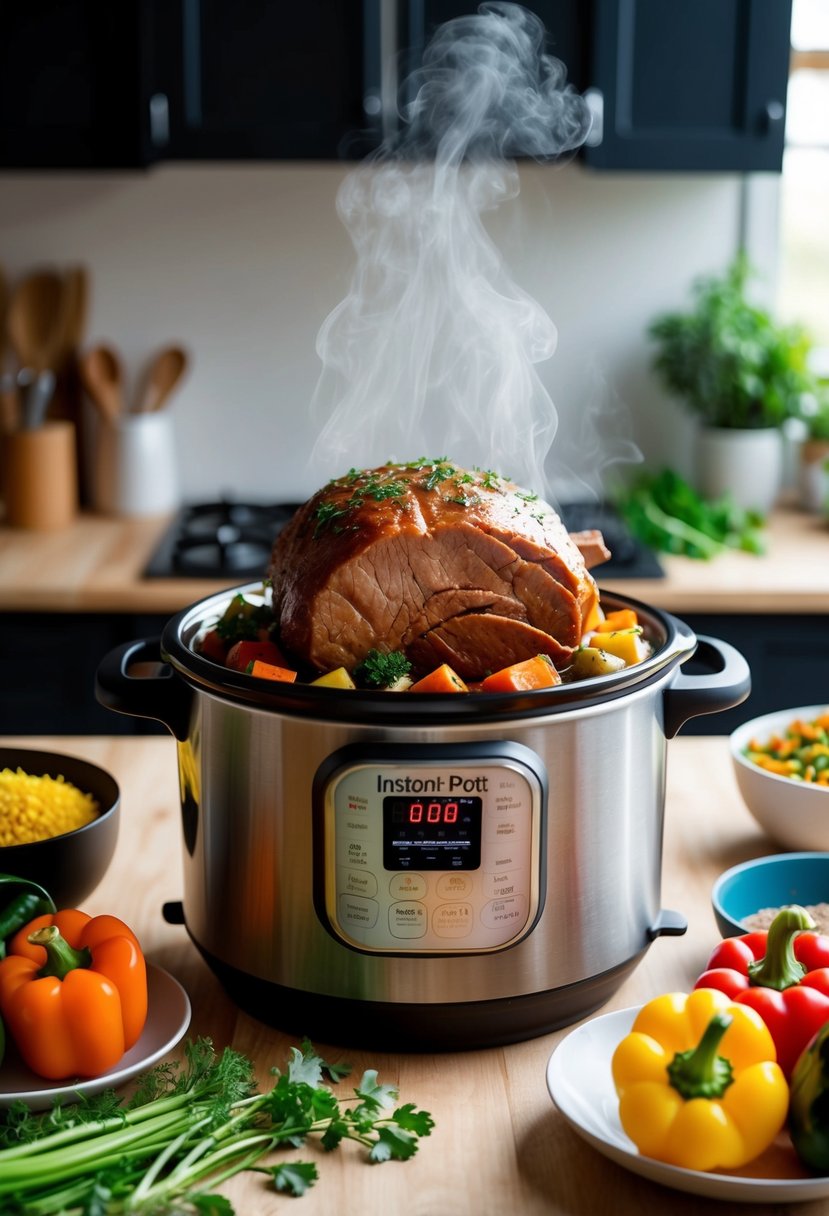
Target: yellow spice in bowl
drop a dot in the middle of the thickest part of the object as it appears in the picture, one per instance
(35, 808)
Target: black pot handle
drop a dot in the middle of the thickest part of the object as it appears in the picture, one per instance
(161, 695)
(690, 696)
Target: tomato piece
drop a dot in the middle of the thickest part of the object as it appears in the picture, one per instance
(242, 654)
(537, 672)
(269, 671)
(213, 646)
(442, 679)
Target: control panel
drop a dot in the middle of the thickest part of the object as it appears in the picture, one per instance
(432, 852)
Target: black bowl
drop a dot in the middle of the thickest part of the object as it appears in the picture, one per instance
(70, 866)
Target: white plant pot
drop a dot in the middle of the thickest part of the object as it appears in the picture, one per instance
(745, 465)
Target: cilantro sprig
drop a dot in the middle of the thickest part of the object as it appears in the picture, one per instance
(190, 1127)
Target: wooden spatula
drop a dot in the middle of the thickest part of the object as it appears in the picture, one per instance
(103, 379)
(166, 369)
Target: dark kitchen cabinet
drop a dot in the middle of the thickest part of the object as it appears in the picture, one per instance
(71, 85)
(85, 84)
(788, 657)
(689, 85)
(48, 663)
(255, 80)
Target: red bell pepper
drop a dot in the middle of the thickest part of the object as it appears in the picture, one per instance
(782, 973)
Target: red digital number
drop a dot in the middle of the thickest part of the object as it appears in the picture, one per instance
(451, 815)
(433, 814)
(416, 812)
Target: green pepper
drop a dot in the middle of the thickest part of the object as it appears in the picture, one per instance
(809, 1103)
(28, 900)
(21, 900)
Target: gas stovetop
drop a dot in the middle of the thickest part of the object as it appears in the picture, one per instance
(218, 539)
(233, 540)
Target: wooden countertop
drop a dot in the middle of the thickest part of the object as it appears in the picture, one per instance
(96, 565)
(499, 1145)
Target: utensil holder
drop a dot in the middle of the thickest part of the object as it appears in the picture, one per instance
(134, 465)
(40, 477)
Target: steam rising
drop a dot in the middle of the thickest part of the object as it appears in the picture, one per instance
(432, 351)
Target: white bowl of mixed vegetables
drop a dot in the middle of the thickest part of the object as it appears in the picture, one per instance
(781, 763)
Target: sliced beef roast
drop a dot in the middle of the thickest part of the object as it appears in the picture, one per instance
(446, 564)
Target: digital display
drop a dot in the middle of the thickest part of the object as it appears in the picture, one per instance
(432, 833)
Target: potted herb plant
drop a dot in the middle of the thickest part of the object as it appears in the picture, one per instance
(742, 375)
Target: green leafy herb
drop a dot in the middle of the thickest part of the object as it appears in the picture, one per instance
(667, 514)
(187, 1129)
(381, 670)
(727, 358)
(243, 620)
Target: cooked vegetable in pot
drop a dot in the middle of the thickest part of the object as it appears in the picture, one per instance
(614, 641)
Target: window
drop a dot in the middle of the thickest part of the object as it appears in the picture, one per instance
(804, 216)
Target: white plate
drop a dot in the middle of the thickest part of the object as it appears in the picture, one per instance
(168, 1016)
(581, 1085)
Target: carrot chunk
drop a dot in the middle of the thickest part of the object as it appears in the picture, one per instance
(622, 618)
(537, 672)
(442, 679)
(269, 671)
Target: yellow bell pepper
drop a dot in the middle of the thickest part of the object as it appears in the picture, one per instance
(698, 1082)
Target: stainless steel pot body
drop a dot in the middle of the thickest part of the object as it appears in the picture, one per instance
(263, 867)
(249, 880)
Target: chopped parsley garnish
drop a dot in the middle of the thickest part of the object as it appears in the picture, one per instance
(359, 487)
(379, 670)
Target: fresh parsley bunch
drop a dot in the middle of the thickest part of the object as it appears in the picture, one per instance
(189, 1128)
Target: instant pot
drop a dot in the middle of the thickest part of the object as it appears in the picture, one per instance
(413, 871)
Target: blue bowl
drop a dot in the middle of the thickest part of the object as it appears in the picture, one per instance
(768, 882)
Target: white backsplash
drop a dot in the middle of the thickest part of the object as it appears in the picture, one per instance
(242, 264)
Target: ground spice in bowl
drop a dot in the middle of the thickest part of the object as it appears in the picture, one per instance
(764, 916)
(36, 808)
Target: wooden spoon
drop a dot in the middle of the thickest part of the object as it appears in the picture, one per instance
(34, 317)
(103, 379)
(166, 369)
(72, 322)
(9, 403)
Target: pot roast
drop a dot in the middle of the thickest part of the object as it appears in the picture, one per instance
(446, 564)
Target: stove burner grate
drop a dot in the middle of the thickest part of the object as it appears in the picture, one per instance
(211, 540)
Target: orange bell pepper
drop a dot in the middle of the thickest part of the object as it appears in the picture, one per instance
(73, 993)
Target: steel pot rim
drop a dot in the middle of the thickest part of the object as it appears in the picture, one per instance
(673, 642)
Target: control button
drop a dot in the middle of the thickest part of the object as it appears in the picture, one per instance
(408, 886)
(452, 920)
(499, 857)
(505, 913)
(504, 883)
(454, 886)
(351, 823)
(358, 913)
(357, 882)
(505, 823)
(351, 852)
(408, 919)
